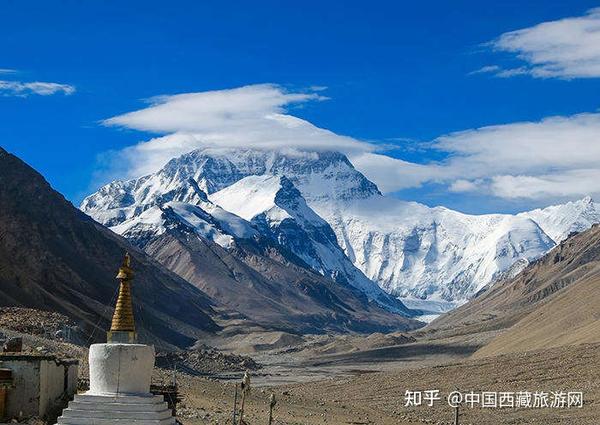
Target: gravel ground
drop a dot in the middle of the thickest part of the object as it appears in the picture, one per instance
(378, 398)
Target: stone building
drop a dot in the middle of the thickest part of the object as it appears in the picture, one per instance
(35, 384)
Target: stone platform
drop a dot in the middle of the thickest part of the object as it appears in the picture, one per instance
(122, 409)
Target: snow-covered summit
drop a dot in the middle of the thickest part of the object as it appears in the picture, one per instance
(274, 196)
(319, 175)
(269, 205)
(415, 251)
(559, 221)
(409, 249)
(277, 209)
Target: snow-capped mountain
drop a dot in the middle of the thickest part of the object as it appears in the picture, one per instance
(409, 249)
(277, 209)
(228, 258)
(320, 176)
(559, 221)
(415, 251)
(267, 206)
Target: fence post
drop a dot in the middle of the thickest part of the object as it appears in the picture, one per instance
(456, 411)
(234, 403)
(272, 403)
(245, 392)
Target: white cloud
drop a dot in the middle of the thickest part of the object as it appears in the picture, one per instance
(392, 174)
(24, 89)
(566, 48)
(251, 116)
(566, 184)
(461, 185)
(553, 158)
(487, 69)
(7, 71)
(206, 111)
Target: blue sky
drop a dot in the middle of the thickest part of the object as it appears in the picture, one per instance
(394, 72)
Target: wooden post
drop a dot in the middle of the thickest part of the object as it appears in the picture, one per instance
(242, 404)
(456, 409)
(6, 381)
(2, 403)
(234, 403)
(245, 391)
(272, 403)
(456, 416)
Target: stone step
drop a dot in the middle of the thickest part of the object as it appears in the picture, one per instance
(103, 413)
(121, 398)
(95, 421)
(131, 407)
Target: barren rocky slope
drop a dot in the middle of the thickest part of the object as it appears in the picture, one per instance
(378, 398)
(552, 302)
(54, 257)
(269, 287)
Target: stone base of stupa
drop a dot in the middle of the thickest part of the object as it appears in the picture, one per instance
(123, 409)
(119, 389)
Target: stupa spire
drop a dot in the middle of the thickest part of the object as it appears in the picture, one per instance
(122, 328)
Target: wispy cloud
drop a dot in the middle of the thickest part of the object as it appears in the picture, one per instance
(252, 116)
(566, 48)
(552, 158)
(487, 69)
(500, 72)
(7, 71)
(24, 89)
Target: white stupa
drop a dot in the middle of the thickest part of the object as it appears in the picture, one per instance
(120, 374)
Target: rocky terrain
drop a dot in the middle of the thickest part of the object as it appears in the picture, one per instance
(268, 287)
(208, 361)
(378, 397)
(38, 322)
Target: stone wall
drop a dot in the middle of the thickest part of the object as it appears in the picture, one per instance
(41, 384)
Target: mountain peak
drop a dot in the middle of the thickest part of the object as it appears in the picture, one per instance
(560, 221)
(278, 209)
(255, 195)
(401, 245)
(318, 176)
